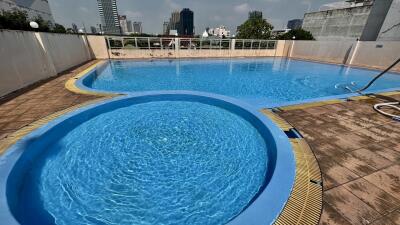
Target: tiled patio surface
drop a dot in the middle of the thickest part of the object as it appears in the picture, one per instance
(359, 154)
(358, 150)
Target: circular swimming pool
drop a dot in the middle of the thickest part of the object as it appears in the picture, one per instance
(174, 158)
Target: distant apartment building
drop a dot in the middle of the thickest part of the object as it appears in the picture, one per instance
(174, 20)
(166, 28)
(130, 26)
(109, 16)
(294, 24)
(220, 32)
(34, 8)
(123, 23)
(137, 27)
(255, 14)
(186, 23)
(365, 20)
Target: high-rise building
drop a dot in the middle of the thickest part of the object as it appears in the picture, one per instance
(186, 23)
(109, 16)
(166, 28)
(123, 22)
(34, 8)
(130, 26)
(294, 24)
(255, 15)
(137, 27)
(174, 21)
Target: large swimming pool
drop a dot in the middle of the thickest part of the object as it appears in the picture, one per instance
(261, 82)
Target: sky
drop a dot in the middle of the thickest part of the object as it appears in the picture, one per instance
(207, 13)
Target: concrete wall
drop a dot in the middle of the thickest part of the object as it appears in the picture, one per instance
(337, 24)
(390, 30)
(377, 55)
(370, 54)
(28, 57)
(327, 51)
(375, 20)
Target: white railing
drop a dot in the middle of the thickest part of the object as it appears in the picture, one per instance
(150, 43)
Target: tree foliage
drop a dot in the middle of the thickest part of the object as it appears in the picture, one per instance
(58, 28)
(299, 34)
(255, 28)
(19, 20)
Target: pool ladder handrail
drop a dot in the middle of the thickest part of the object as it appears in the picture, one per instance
(373, 80)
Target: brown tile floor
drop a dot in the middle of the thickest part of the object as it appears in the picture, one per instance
(38, 102)
(358, 150)
(359, 154)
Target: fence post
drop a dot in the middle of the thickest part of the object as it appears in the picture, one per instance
(136, 43)
(148, 42)
(233, 43)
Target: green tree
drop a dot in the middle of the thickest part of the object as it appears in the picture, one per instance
(44, 26)
(14, 20)
(299, 34)
(255, 28)
(58, 28)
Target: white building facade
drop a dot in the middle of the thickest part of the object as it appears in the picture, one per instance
(220, 32)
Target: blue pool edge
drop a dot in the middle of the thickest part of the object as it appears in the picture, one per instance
(270, 201)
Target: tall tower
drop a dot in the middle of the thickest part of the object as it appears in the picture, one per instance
(109, 16)
(186, 22)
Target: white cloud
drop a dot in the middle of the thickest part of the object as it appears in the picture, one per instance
(172, 5)
(242, 8)
(83, 9)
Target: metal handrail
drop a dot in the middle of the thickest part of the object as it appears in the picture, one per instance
(188, 43)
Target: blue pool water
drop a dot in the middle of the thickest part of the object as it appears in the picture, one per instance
(163, 162)
(262, 82)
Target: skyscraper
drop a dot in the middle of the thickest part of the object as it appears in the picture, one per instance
(137, 27)
(174, 21)
(123, 22)
(109, 16)
(186, 27)
(255, 15)
(166, 28)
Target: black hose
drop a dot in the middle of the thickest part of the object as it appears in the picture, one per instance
(377, 77)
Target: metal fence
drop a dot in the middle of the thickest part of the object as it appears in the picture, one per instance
(188, 43)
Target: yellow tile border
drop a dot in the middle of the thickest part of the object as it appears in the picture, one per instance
(10, 140)
(71, 83)
(336, 101)
(304, 205)
(309, 105)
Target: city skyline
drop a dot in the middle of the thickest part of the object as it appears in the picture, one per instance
(153, 13)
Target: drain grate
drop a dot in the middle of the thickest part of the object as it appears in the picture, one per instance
(293, 133)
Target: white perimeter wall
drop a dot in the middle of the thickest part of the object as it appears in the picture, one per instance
(28, 57)
(374, 54)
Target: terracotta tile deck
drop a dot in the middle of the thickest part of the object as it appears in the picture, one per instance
(359, 154)
(358, 150)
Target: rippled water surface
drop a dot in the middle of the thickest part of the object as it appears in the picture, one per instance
(153, 163)
(263, 82)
